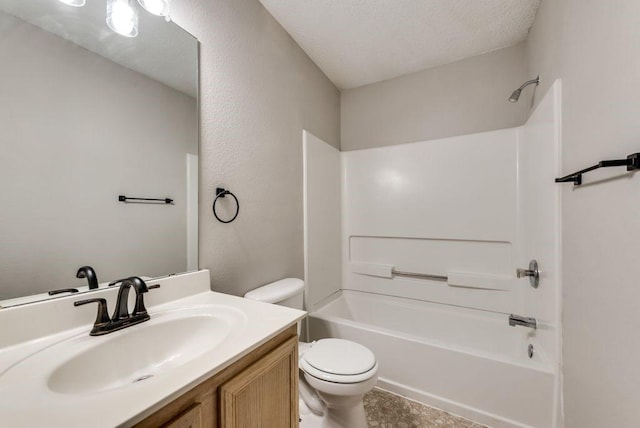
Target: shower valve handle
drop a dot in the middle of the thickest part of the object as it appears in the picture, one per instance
(533, 273)
(525, 272)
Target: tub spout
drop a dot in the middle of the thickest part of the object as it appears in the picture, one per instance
(515, 320)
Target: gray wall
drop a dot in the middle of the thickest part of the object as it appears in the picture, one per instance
(593, 46)
(259, 91)
(460, 98)
(77, 130)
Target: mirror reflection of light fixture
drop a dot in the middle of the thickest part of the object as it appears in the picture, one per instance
(156, 7)
(74, 3)
(122, 17)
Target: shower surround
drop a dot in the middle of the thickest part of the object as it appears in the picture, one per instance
(470, 210)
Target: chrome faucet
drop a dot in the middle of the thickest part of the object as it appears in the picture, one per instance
(515, 320)
(121, 317)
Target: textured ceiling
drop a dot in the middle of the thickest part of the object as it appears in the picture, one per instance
(356, 42)
(162, 51)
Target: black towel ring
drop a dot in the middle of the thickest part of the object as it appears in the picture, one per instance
(220, 193)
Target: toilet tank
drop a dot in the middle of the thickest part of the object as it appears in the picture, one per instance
(285, 292)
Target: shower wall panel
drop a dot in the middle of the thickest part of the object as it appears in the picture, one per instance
(322, 212)
(445, 207)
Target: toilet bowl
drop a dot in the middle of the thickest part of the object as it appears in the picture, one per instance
(340, 372)
(335, 373)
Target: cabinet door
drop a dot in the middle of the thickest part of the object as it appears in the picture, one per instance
(265, 395)
(190, 418)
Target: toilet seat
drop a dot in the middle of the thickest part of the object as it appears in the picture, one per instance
(345, 379)
(339, 361)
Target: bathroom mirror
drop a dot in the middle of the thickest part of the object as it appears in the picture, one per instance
(88, 115)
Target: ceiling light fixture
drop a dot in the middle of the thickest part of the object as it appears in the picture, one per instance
(122, 17)
(74, 3)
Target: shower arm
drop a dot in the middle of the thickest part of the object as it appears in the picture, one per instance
(515, 95)
(529, 82)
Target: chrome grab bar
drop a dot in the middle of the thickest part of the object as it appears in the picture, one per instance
(455, 279)
(515, 320)
(420, 275)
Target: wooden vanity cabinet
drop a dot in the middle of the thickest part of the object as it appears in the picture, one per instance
(258, 391)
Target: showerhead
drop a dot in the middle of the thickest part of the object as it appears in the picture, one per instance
(516, 94)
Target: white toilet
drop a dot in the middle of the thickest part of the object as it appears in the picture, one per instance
(337, 372)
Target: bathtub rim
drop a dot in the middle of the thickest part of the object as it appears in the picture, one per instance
(544, 365)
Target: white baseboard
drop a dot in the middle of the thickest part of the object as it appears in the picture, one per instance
(449, 406)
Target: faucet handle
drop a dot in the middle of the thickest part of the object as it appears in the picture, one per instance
(102, 318)
(117, 281)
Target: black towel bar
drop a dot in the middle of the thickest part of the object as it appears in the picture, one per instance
(123, 198)
(632, 162)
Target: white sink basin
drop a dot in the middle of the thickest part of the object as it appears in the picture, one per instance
(139, 353)
(52, 373)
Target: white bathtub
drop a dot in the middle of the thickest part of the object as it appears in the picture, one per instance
(465, 361)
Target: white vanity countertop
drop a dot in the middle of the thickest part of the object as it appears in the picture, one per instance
(26, 399)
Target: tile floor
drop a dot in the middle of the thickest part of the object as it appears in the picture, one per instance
(386, 410)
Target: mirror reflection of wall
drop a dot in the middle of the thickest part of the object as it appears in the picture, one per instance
(77, 130)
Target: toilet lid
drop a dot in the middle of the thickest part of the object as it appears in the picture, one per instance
(340, 357)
